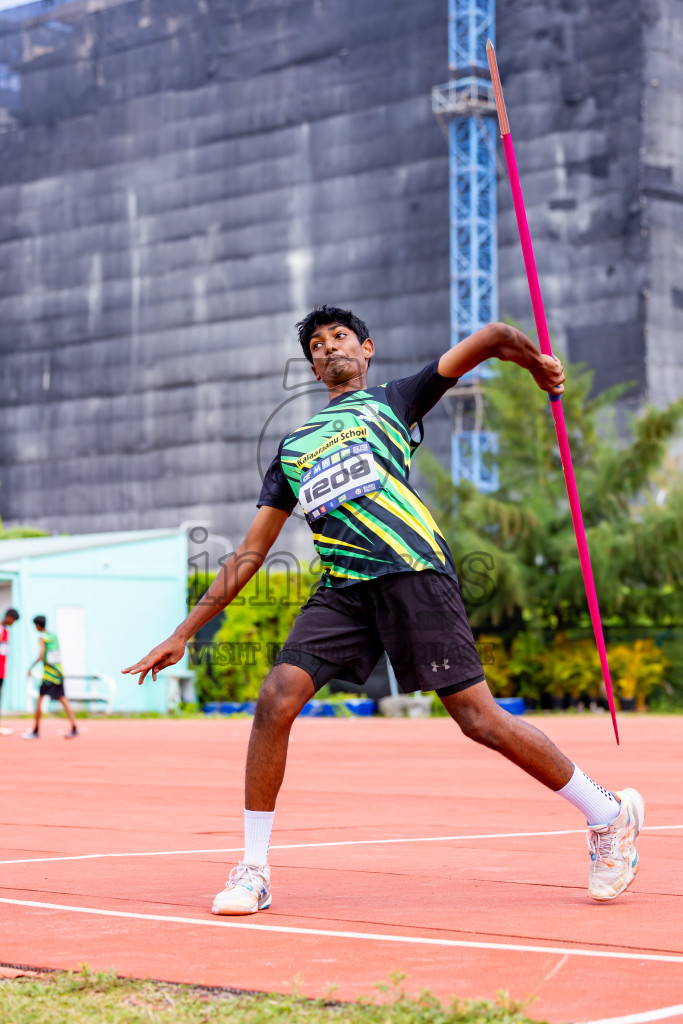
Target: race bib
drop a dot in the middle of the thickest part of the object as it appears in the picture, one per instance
(343, 476)
(53, 658)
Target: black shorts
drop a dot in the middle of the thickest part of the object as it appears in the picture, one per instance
(52, 690)
(419, 618)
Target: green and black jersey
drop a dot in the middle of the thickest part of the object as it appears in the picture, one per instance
(52, 659)
(348, 466)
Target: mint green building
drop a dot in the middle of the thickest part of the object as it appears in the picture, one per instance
(110, 597)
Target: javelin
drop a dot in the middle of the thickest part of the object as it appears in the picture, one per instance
(556, 400)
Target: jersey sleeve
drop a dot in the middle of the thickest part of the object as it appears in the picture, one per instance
(413, 397)
(276, 491)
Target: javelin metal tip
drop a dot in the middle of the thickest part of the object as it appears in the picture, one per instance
(497, 88)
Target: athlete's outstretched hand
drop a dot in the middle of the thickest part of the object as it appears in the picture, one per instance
(165, 654)
(549, 375)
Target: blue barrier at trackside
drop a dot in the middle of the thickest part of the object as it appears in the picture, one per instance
(361, 707)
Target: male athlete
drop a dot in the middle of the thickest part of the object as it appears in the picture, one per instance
(384, 561)
(52, 683)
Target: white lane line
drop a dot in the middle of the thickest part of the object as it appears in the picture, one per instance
(418, 940)
(642, 1018)
(299, 846)
(316, 846)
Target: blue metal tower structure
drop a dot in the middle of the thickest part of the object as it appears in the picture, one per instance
(11, 45)
(465, 108)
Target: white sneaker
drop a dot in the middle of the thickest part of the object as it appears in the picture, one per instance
(246, 891)
(30, 735)
(5, 732)
(614, 861)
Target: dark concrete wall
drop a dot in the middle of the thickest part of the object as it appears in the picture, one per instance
(180, 182)
(662, 197)
(182, 179)
(572, 73)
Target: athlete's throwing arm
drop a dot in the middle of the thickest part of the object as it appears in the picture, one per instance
(236, 572)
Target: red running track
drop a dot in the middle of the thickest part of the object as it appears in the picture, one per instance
(397, 847)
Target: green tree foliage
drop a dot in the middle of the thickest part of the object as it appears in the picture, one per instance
(20, 532)
(632, 501)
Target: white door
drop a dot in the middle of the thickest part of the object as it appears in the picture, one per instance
(70, 630)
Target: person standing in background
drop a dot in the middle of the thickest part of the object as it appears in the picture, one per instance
(52, 684)
(10, 617)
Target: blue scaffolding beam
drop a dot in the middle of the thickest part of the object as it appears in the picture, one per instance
(470, 24)
(465, 108)
(473, 459)
(474, 299)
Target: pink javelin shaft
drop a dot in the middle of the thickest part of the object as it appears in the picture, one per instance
(555, 400)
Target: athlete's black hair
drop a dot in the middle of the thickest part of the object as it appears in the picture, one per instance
(13, 613)
(40, 621)
(322, 315)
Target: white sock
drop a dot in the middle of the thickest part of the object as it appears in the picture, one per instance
(257, 828)
(597, 804)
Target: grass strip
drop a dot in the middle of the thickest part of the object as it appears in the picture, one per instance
(100, 997)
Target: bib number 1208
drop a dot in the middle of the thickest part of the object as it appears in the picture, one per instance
(343, 476)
